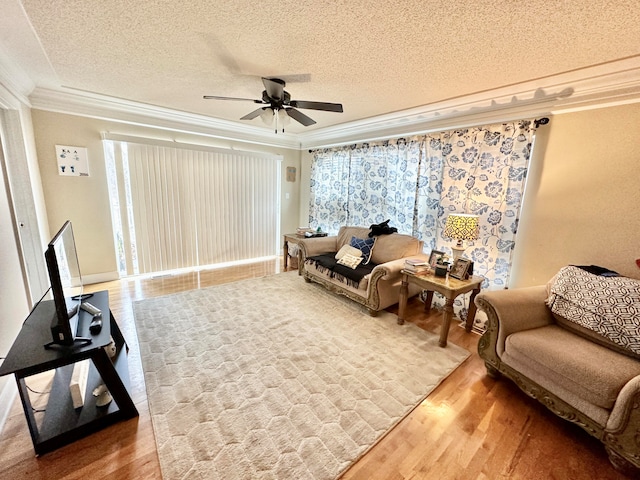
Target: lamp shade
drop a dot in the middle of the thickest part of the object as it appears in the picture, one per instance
(267, 116)
(461, 226)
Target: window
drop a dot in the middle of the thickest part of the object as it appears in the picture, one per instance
(176, 207)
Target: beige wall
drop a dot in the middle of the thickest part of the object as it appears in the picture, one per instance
(85, 201)
(583, 194)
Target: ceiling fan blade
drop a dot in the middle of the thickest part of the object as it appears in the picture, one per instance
(298, 116)
(274, 87)
(215, 97)
(327, 107)
(254, 114)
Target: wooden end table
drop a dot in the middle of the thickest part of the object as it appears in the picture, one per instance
(291, 238)
(449, 287)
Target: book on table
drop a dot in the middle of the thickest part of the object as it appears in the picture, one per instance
(416, 265)
(416, 262)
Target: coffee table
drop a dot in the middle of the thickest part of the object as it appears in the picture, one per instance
(449, 287)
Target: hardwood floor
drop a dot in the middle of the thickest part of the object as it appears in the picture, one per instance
(470, 427)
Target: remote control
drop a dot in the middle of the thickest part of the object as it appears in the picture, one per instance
(87, 307)
(96, 325)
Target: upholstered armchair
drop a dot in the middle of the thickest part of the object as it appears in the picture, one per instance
(579, 376)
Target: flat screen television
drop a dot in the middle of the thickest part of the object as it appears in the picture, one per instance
(66, 287)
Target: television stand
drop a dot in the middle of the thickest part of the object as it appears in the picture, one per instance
(62, 424)
(77, 342)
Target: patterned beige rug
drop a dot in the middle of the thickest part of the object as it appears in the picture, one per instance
(274, 378)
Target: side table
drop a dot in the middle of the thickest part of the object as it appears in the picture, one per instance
(290, 238)
(449, 287)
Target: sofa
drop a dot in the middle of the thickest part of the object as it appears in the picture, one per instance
(381, 280)
(573, 345)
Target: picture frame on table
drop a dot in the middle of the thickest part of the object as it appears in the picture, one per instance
(460, 269)
(434, 257)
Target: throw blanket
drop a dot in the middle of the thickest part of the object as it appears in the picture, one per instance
(606, 305)
(328, 263)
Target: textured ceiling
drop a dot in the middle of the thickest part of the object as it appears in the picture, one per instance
(373, 57)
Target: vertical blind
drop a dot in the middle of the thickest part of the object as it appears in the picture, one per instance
(184, 207)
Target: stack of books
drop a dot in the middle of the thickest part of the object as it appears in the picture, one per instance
(416, 265)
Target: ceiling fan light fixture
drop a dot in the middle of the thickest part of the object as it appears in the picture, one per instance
(267, 116)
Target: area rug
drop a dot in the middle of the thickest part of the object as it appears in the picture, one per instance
(275, 378)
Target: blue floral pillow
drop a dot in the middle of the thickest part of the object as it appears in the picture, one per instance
(365, 245)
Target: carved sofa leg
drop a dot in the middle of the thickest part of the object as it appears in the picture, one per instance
(492, 372)
(622, 464)
(372, 312)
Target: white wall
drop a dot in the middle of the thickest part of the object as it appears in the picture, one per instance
(85, 201)
(583, 194)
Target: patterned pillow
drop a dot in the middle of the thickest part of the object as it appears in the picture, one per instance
(349, 260)
(348, 249)
(365, 245)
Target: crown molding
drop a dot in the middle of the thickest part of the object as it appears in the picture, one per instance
(15, 84)
(609, 84)
(124, 111)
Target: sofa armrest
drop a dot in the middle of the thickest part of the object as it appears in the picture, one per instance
(318, 245)
(510, 311)
(388, 269)
(621, 431)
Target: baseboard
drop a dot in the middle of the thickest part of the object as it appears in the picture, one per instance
(100, 277)
(7, 396)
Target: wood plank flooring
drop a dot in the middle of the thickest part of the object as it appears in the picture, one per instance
(470, 427)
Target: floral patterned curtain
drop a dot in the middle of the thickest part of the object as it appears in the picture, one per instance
(418, 182)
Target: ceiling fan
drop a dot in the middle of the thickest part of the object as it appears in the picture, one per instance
(280, 105)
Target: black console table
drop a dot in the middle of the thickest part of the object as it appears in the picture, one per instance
(62, 424)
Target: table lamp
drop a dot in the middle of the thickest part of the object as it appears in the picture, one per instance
(460, 227)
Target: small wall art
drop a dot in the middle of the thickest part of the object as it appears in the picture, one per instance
(72, 161)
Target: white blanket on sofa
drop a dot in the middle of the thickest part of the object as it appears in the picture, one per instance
(609, 306)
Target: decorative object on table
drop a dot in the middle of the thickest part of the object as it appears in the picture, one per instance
(460, 269)
(315, 234)
(434, 257)
(442, 266)
(293, 399)
(382, 229)
(461, 227)
(103, 397)
(301, 231)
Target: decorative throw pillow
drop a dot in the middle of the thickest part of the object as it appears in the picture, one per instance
(350, 261)
(348, 249)
(365, 245)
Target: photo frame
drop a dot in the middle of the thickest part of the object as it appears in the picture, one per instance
(460, 268)
(434, 257)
